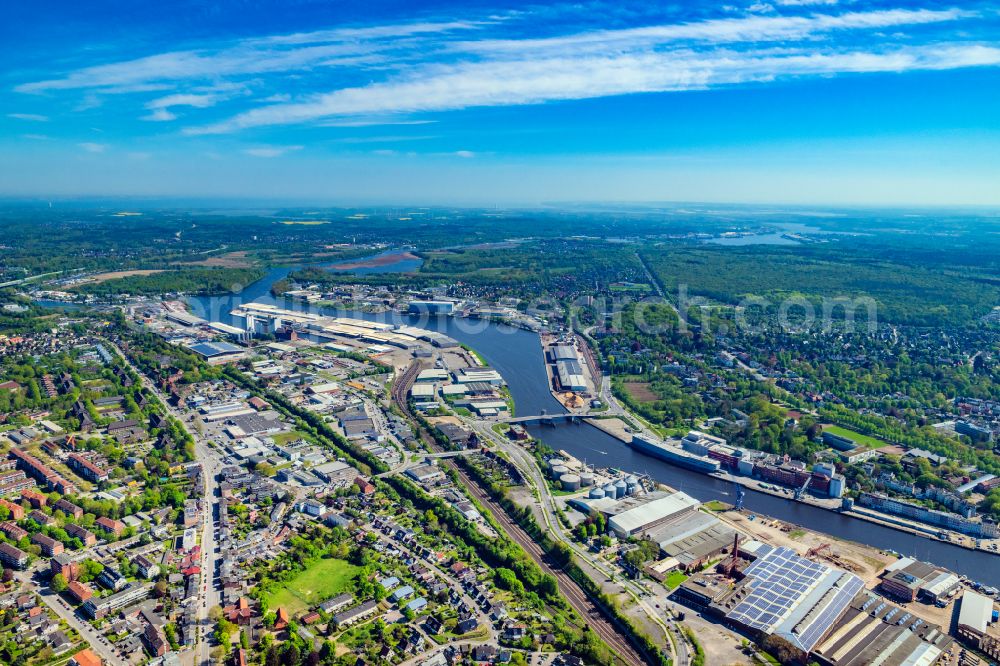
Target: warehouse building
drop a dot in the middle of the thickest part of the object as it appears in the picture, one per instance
(975, 614)
(563, 353)
(431, 307)
(570, 376)
(218, 352)
(645, 512)
(907, 579)
(781, 594)
(692, 540)
(873, 631)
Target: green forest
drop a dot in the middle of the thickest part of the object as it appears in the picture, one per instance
(922, 295)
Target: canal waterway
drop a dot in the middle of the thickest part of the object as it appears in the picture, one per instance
(517, 355)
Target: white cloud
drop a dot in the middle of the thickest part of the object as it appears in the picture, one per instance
(160, 115)
(535, 81)
(374, 122)
(92, 147)
(29, 116)
(746, 29)
(806, 3)
(426, 67)
(464, 153)
(270, 151)
(281, 53)
(180, 99)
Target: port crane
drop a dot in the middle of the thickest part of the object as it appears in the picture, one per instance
(813, 552)
(801, 491)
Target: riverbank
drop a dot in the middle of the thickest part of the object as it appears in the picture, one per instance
(616, 428)
(517, 355)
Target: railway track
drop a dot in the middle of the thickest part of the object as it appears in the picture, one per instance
(602, 625)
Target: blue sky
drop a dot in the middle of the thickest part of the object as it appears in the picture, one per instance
(779, 101)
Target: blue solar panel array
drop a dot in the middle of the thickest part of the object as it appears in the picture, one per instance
(849, 587)
(780, 579)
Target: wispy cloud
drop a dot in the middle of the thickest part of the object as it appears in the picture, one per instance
(514, 81)
(373, 122)
(160, 115)
(270, 151)
(35, 117)
(92, 147)
(385, 74)
(280, 53)
(745, 29)
(160, 107)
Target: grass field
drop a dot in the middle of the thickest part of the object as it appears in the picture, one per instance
(641, 392)
(674, 578)
(866, 440)
(323, 579)
(283, 438)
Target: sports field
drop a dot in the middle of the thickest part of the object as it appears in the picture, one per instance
(864, 440)
(321, 580)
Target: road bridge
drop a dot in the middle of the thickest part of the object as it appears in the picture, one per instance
(552, 419)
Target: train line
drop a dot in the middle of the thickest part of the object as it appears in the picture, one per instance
(605, 627)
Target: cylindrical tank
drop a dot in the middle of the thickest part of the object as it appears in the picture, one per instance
(587, 479)
(620, 488)
(632, 484)
(570, 481)
(559, 470)
(596, 493)
(556, 462)
(609, 490)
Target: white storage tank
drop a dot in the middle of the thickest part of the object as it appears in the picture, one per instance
(609, 490)
(596, 493)
(620, 488)
(556, 462)
(559, 470)
(587, 479)
(570, 481)
(632, 484)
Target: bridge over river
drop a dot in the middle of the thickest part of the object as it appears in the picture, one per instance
(552, 419)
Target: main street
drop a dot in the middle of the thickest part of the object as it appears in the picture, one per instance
(209, 593)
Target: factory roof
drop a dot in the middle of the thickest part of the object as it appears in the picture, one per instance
(564, 352)
(692, 537)
(432, 375)
(213, 349)
(975, 611)
(647, 514)
(423, 390)
(873, 631)
(792, 597)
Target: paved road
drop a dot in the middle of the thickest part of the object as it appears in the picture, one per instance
(603, 626)
(526, 463)
(98, 643)
(209, 594)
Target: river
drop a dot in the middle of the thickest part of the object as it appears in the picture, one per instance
(517, 355)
